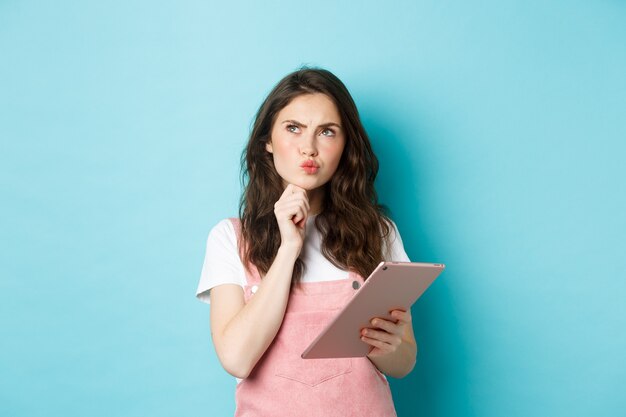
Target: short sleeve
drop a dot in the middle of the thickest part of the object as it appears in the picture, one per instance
(393, 248)
(222, 264)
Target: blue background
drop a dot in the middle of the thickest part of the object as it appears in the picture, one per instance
(500, 128)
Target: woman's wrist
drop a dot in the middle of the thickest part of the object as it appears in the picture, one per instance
(289, 251)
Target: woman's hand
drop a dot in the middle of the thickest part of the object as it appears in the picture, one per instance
(291, 211)
(386, 336)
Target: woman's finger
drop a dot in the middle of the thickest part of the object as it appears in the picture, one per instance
(291, 209)
(297, 196)
(292, 189)
(388, 326)
(402, 316)
(385, 347)
(382, 336)
(298, 216)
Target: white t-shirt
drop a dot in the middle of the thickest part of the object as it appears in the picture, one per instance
(222, 264)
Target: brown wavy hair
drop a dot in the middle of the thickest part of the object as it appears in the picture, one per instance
(350, 206)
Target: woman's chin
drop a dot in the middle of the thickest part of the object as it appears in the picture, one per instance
(306, 183)
(299, 183)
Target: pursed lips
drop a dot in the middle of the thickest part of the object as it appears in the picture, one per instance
(309, 164)
(310, 167)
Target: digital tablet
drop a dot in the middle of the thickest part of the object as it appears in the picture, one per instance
(391, 286)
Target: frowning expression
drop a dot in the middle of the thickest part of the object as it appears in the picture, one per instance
(307, 140)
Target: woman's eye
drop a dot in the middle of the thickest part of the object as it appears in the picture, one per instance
(328, 132)
(292, 128)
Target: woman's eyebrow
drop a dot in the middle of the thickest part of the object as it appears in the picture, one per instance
(297, 123)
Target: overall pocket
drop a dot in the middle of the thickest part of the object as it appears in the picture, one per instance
(293, 340)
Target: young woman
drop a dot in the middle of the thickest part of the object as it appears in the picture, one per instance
(309, 231)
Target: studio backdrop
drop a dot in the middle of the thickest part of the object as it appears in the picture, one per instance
(500, 127)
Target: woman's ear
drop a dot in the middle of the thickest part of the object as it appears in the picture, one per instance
(268, 147)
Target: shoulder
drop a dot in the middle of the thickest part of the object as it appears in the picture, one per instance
(393, 230)
(393, 248)
(221, 261)
(223, 232)
(223, 238)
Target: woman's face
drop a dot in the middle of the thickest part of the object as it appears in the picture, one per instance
(307, 141)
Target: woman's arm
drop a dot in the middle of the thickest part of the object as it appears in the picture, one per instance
(394, 349)
(242, 331)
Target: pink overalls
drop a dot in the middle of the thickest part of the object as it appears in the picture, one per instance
(284, 384)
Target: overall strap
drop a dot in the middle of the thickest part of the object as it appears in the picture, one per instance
(354, 276)
(252, 274)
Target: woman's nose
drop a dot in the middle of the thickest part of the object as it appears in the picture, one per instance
(308, 147)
